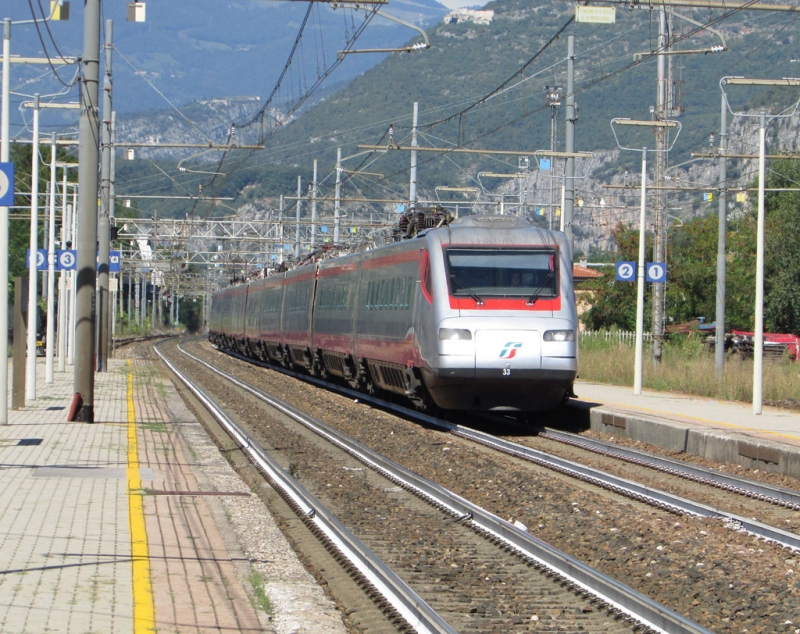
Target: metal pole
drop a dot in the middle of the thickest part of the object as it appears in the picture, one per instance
(4, 156)
(130, 297)
(337, 198)
(72, 290)
(637, 372)
(412, 187)
(112, 205)
(758, 351)
(550, 215)
(569, 146)
(87, 212)
(719, 349)
(659, 200)
(314, 207)
(62, 281)
(297, 225)
(103, 227)
(144, 300)
(280, 230)
(33, 276)
(51, 269)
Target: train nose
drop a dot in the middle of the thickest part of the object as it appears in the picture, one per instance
(505, 350)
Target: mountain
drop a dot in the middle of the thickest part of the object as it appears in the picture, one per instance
(204, 49)
(457, 86)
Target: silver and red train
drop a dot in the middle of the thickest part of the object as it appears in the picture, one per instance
(476, 315)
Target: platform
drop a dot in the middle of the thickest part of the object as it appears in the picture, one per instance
(718, 430)
(136, 523)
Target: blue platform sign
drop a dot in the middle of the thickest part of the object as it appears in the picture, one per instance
(114, 258)
(66, 259)
(656, 272)
(41, 259)
(626, 271)
(6, 184)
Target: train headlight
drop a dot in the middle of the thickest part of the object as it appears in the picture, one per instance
(454, 334)
(559, 335)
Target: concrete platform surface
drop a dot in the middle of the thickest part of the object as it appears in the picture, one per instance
(136, 523)
(718, 430)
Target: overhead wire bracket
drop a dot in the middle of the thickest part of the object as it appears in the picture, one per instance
(419, 46)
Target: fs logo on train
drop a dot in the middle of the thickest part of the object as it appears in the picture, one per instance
(509, 350)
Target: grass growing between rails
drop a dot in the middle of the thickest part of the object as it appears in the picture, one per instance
(688, 366)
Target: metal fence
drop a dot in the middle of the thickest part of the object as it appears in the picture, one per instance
(622, 337)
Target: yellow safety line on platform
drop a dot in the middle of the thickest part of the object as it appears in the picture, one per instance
(143, 606)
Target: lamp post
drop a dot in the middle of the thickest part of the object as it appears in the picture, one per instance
(640, 272)
(758, 335)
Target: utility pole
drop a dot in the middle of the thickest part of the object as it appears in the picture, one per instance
(412, 186)
(51, 269)
(336, 203)
(112, 204)
(314, 207)
(552, 99)
(297, 218)
(4, 152)
(103, 226)
(659, 196)
(33, 276)
(722, 229)
(87, 212)
(569, 169)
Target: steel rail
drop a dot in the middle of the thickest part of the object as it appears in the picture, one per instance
(416, 612)
(780, 496)
(627, 488)
(631, 489)
(621, 599)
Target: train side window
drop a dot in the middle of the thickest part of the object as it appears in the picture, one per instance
(425, 276)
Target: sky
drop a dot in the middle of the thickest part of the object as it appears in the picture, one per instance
(455, 4)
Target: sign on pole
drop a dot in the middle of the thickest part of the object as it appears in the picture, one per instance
(6, 184)
(656, 272)
(113, 261)
(66, 259)
(626, 271)
(41, 259)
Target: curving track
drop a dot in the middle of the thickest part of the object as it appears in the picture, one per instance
(443, 550)
(695, 566)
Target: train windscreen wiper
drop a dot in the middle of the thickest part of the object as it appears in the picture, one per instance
(537, 294)
(466, 289)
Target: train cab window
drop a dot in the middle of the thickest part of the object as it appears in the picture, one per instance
(480, 272)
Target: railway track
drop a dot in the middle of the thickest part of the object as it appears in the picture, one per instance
(480, 572)
(779, 525)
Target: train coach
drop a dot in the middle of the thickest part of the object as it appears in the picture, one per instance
(477, 315)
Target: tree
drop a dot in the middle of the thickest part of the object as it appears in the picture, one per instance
(782, 247)
(614, 303)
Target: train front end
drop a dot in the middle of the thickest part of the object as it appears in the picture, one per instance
(503, 316)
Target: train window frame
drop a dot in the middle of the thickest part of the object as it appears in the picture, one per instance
(550, 292)
(425, 276)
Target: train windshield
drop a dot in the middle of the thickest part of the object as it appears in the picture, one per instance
(497, 272)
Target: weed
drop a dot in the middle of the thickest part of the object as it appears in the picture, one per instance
(257, 581)
(688, 367)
